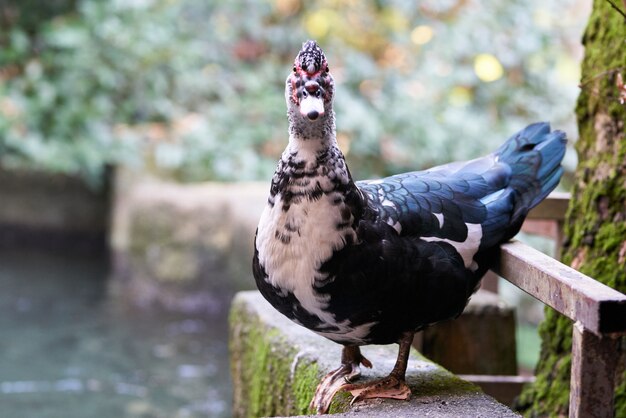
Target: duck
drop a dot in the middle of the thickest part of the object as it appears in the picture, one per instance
(372, 262)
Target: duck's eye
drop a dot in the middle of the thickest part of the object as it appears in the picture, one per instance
(294, 68)
(304, 94)
(318, 93)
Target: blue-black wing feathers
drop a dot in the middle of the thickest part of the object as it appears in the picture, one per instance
(495, 191)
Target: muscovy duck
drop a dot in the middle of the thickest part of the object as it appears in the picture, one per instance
(372, 262)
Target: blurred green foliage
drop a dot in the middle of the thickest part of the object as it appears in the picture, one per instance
(194, 88)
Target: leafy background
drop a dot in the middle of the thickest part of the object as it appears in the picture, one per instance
(193, 89)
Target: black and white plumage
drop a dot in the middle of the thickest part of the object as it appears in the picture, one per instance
(371, 262)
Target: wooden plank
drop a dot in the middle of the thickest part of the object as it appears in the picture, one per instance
(598, 307)
(542, 227)
(553, 207)
(498, 379)
(502, 388)
(594, 363)
(489, 282)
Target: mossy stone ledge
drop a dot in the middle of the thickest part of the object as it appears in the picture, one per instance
(276, 365)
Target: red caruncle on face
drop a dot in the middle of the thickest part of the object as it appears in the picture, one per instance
(318, 84)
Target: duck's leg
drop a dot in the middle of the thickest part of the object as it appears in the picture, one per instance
(392, 386)
(351, 359)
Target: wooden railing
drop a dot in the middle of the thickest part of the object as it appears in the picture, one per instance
(598, 313)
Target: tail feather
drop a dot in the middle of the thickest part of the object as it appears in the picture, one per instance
(534, 155)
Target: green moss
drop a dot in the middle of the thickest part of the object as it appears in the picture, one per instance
(267, 372)
(604, 34)
(595, 228)
(254, 367)
(305, 380)
(341, 403)
(620, 398)
(549, 395)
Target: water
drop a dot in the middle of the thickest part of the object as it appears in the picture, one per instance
(67, 349)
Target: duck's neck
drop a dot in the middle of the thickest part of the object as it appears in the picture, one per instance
(302, 130)
(312, 164)
(313, 148)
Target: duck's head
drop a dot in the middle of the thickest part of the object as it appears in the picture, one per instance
(310, 87)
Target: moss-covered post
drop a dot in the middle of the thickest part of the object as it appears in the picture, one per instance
(595, 231)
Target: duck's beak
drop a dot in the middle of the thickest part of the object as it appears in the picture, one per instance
(312, 107)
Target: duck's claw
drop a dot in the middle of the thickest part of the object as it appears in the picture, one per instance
(390, 387)
(337, 379)
(332, 383)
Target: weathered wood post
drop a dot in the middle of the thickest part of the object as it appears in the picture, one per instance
(598, 311)
(594, 364)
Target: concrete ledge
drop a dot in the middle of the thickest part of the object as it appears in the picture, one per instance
(277, 364)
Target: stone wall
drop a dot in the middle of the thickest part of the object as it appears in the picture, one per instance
(276, 366)
(183, 246)
(52, 211)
